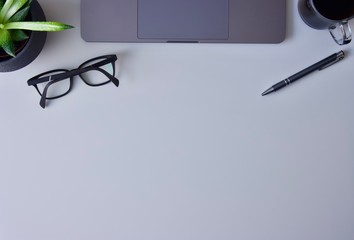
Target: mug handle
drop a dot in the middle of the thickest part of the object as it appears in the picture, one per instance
(341, 33)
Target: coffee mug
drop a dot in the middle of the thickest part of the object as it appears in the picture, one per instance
(329, 14)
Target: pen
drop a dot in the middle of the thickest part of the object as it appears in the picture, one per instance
(336, 57)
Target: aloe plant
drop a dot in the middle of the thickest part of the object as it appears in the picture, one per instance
(12, 24)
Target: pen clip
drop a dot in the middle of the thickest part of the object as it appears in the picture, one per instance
(340, 56)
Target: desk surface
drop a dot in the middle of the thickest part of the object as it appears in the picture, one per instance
(186, 147)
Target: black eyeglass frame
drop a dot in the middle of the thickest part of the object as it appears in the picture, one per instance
(70, 74)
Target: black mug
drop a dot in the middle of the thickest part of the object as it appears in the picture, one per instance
(329, 14)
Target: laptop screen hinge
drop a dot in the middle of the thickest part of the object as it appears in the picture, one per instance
(182, 41)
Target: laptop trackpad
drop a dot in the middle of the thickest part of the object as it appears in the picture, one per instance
(183, 19)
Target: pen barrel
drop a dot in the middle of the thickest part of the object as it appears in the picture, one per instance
(281, 84)
(317, 66)
(332, 59)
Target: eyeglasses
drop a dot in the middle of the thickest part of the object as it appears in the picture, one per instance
(57, 83)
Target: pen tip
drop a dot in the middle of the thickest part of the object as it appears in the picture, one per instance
(268, 91)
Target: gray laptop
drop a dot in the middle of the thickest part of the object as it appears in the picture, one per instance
(204, 21)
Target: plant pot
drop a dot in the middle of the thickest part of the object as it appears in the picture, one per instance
(29, 49)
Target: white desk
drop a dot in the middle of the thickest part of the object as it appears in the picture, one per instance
(186, 147)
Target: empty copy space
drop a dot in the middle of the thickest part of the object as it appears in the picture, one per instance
(183, 19)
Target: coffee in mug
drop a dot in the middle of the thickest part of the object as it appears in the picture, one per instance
(329, 14)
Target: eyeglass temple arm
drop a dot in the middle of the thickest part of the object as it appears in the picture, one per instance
(35, 81)
(44, 95)
(59, 76)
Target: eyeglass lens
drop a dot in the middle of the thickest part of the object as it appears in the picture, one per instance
(95, 77)
(56, 89)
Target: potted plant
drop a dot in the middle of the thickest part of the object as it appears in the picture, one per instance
(23, 31)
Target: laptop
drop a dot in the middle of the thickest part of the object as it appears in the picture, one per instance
(185, 21)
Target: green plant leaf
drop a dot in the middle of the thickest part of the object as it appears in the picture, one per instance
(4, 9)
(2, 3)
(38, 26)
(15, 7)
(6, 42)
(20, 15)
(18, 35)
(29, 2)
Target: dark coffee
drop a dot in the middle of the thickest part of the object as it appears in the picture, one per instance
(335, 9)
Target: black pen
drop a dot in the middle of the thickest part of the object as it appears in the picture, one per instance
(317, 66)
